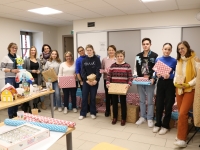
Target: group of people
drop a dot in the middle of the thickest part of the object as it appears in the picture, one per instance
(116, 70)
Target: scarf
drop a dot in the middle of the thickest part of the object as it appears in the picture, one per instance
(13, 58)
(46, 55)
(190, 72)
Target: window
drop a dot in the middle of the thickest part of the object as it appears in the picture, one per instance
(26, 42)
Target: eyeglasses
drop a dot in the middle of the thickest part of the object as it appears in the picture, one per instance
(14, 47)
(68, 56)
(81, 51)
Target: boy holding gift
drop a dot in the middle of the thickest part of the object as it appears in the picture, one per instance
(144, 64)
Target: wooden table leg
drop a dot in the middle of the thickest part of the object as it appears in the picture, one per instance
(69, 141)
(52, 111)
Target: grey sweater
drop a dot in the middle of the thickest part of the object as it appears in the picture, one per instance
(26, 66)
(52, 64)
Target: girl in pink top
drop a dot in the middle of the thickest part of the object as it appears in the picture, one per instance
(106, 63)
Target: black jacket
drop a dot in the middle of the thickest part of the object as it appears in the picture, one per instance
(151, 62)
(91, 65)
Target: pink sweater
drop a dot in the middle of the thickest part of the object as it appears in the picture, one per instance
(106, 63)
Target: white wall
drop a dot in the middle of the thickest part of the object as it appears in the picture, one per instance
(139, 21)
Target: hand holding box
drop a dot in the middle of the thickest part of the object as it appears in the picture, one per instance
(161, 68)
(91, 77)
(118, 88)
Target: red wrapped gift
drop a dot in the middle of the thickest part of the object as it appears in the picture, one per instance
(101, 109)
(161, 68)
(67, 82)
(142, 79)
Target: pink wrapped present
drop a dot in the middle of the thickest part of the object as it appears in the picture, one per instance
(98, 105)
(161, 68)
(42, 119)
(102, 109)
(142, 79)
(101, 94)
(67, 82)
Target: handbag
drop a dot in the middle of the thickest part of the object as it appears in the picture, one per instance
(50, 73)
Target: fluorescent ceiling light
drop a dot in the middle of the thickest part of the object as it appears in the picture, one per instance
(45, 11)
(146, 1)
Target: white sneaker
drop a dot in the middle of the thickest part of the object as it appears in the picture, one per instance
(176, 139)
(74, 110)
(163, 131)
(81, 117)
(180, 143)
(93, 116)
(150, 123)
(156, 129)
(140, 121)
(54, 108)
(65, 110)
(59, 109)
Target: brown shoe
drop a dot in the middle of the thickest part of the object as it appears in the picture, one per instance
(43, 106)
(114, 121)
(123, 122)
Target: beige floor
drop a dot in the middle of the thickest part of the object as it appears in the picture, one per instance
(90, 132)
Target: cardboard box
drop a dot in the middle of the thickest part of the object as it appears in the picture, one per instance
(132, 113)
(22, 137)
(118, 88)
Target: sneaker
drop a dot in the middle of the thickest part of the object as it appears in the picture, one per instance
(54, 108)
(81, 117)
(163, 131)
(65, 110)
(59, 109)
(176, 138)
(74, 110)
(140, 121)
(93, 116)
(150, 123)
(180, 143)
(156, 129)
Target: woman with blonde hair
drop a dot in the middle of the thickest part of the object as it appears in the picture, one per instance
(54, 62)
(187, 64)
(9, 66)
(67, 68)
(90, 65)
(33, 65)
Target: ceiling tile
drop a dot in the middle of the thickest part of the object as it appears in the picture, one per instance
(8, 1)
(47, 3)
(85, 14)
(92, 3)
(130, 3)
(7, 9)
(23, 5)
(188, 2)
(66, 16)
(162, 5)
(73, 1)
(108, 11)
(189, 6)
(67, 7)
(139, 11)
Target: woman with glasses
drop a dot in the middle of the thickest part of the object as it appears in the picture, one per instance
(9, 66)
(67, 68)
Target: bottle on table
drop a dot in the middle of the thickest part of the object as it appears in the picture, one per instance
(49, 85)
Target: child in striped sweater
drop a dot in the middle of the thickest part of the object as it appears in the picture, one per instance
(120, 72)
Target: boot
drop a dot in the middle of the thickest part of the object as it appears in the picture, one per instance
(43, 106)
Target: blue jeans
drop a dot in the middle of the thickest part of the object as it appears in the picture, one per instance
(85, 92)
(56, 95)
(12, 111)
(148, 90)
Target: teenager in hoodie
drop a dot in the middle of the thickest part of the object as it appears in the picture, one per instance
(90, 65)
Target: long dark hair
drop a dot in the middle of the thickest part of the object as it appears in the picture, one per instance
(189, 50)
(48, 46)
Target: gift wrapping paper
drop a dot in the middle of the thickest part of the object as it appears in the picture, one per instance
(67, 82)
(142, 82)
(141, 79)
(51, 127)
(102, 108)
(161, 68)
(49, 120)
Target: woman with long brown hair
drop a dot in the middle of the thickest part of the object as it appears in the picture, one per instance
(54, 62)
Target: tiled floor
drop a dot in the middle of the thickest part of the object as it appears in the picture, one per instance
(90, 132)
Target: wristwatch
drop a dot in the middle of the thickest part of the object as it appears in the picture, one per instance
(10, 70)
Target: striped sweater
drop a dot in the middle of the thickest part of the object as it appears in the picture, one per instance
(6, 62)
(120, 73)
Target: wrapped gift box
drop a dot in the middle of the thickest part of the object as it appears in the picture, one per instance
(161, 68)
(91, 77)
(67, 82)
(141, 79)
(142, 82)
(132, 113)
(102, 109)
(22, 137)
(117, 88)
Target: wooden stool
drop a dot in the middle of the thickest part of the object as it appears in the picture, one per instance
(107, 146)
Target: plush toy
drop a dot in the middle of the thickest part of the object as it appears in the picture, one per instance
(19, 62)
(24, 75)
